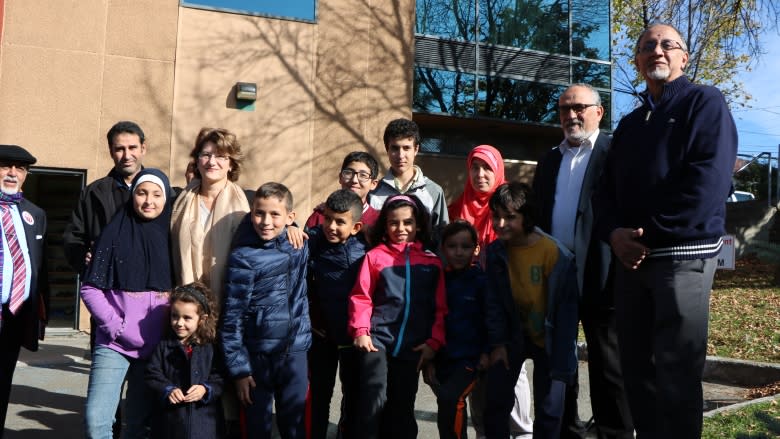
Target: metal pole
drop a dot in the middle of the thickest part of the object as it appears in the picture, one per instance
(769, 180)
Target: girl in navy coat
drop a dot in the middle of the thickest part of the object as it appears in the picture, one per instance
(183, 372)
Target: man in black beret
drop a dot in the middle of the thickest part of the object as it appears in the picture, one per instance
(24, 283)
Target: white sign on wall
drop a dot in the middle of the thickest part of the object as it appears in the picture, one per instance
(726, 258)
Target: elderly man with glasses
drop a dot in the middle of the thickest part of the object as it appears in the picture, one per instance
(24, 285)
(662, 209)
(564, 182)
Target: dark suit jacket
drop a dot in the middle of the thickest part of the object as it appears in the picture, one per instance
(35, 310)
(592, 256)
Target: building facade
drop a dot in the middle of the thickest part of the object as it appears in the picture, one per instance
(329, 75)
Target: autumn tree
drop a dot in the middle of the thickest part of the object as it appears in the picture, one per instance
(723, 38)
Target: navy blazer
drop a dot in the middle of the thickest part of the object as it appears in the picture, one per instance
(34, 312)
(593, 274)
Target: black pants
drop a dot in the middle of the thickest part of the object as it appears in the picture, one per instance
(371, 369)
(662, 309)
(10, 345)
(455, 383)
(608, 399)
(398, 419)
(325, 357)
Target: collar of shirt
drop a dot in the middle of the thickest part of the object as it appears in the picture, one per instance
(588, 143)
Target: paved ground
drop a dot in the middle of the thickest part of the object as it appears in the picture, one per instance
(49, 390)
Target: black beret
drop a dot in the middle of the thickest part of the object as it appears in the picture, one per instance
(16, 154)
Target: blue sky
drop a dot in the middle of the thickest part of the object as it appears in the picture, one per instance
(759, 124)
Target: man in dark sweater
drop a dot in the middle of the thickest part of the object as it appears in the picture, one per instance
(662, 210)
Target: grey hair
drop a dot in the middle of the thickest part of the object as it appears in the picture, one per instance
(594, 92)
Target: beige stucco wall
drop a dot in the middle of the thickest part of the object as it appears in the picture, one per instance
(69, 70)
(324, 89)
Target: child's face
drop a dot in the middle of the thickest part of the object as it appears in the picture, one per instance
(270, 216)
(459, 250)
(185, 320)
(401, 153)
(401, 225)
(361, 182)
(508, 225)
(338, 227)
(148, 200)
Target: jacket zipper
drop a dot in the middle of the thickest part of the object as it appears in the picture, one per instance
(407, 296)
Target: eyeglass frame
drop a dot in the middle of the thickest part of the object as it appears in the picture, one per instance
(206, 156)
(576, 108)
(353, 173)
(645, 48)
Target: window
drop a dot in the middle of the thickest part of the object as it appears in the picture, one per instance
(304, 10)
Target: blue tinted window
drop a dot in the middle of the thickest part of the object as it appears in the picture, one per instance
(590, 29)
(537, 25)
(441, 91)
(293, 9)
(452, 19)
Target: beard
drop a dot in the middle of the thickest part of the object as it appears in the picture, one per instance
(659, 73)
(578, 136)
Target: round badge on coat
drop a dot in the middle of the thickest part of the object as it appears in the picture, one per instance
(28, 218)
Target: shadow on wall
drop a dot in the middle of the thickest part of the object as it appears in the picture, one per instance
(756, 229)
(321, 88)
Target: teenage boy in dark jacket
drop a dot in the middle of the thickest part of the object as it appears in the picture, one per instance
(336, 250)
(265, 329)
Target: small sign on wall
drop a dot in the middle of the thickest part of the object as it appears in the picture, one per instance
(726, 258)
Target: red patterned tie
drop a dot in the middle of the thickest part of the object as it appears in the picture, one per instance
(19, 268)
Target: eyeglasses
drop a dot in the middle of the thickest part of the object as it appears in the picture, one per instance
(577, 108)
(5, 167)
(206, 156)
(347, 175)
(666, 46)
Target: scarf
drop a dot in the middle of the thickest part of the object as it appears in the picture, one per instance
(472, 205)
(133, 254)
(201, 254)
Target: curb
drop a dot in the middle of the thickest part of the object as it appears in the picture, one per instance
(741, 372)
(740, 405)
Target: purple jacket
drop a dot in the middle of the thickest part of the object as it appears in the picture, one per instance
(130, 323)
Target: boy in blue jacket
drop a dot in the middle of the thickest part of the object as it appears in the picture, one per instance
(265, 330)
(531, 313)
(336, 250)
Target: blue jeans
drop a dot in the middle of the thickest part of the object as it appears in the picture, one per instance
(106, 377)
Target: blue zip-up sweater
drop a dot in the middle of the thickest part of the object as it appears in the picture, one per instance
(465, 320)
(504, 325)
(333, 270)
(265, 308)
(669, 172)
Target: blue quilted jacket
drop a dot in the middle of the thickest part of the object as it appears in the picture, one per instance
(265, 309)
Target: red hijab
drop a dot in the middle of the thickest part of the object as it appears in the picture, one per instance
(472, 205)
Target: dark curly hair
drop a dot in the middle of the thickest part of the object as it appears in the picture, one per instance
(199, 294)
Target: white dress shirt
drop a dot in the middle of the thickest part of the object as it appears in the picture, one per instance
(568, 187)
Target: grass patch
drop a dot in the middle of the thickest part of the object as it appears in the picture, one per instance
(745, 313)
(758, 421)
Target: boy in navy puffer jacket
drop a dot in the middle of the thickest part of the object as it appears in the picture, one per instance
(336, 250)
(265, 330)
(454, 371)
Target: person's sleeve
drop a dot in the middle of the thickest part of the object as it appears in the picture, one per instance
(440, 207)
(214, 384)
(239, 281)
(75, 239)
(704, 181)
(104, 314)
(603, 199)
(438, 336)
(496, 317)
(361, 304)
(564, 349)
(154, 377)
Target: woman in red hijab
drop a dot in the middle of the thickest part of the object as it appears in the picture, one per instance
(486, 172)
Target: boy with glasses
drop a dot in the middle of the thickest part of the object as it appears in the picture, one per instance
(358, 174)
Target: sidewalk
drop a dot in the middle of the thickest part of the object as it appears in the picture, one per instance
(50, 387)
